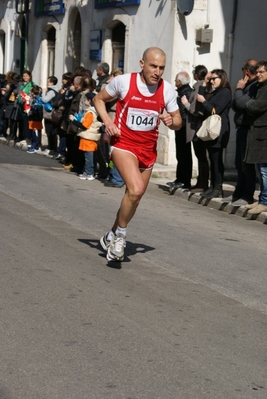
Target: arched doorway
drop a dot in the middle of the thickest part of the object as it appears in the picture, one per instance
(2, 51)
(118, 46)
(74, 39)
(23, 43)
(77, 34)
(51, 46)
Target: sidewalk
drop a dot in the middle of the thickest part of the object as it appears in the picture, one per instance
(162, 174)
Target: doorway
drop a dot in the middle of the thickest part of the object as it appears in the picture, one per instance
(2, 51)
(51, 46)
(118, 46)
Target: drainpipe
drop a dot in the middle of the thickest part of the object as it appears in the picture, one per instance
(231, 35)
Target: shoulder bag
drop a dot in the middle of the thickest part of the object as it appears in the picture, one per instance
(211, 127)
(16, 113)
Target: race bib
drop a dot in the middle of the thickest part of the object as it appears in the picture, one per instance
(142, 119)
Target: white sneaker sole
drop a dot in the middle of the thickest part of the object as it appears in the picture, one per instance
(113, 258)
(102, 243)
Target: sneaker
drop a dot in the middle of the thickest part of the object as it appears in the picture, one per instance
(85, 176)
(31, 150)
(115, 251)
(105, 242)
(46, 152)
(58, 157)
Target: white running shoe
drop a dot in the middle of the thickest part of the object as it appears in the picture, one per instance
(85, 176)
(115, 251)
(105, 242)
(46, 152)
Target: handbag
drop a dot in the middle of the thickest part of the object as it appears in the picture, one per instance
(211, 127)
(16, 114)
(57, 115)
(47, 114)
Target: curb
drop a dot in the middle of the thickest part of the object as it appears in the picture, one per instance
(220, 205)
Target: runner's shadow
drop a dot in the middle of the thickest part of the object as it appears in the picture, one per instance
(131, 249)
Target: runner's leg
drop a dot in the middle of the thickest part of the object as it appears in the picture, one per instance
(136, 182)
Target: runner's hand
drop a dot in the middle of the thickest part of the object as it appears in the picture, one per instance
(112, 130)
(166, 119)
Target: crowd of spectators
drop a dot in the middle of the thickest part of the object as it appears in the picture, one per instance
(25, 107)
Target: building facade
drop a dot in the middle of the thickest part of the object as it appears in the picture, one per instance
(50, 37)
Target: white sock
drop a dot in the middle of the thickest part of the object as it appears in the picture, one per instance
(110, 235)
(121, 230)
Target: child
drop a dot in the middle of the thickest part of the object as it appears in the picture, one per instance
(89, 134)
(35, 118)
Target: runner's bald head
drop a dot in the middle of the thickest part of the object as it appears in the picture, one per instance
(155, 51)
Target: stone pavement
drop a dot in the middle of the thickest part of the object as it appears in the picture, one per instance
(162, 174)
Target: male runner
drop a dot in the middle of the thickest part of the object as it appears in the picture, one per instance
(142, 97)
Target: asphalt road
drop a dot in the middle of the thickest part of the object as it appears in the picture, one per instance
(183, 317)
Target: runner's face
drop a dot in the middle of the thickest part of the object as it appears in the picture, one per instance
(152, 68)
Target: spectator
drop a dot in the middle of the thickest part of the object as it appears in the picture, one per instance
(62, 104)
(12, 114)
(89, 135)
(246, 172)
(35, 118)
(74, 157)
(114, 178)
(25, 87)
(102, 71)
(256, 151)
(215, 93)
(183, 147)
(193, 124)
(51, 131)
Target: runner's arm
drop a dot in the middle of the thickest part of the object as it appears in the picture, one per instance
(99, 102)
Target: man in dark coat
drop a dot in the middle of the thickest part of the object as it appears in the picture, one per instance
(256, 151)
(183, 148)
(74, 157)
(246, 173)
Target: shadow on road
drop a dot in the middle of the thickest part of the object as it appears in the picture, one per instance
(131, 249)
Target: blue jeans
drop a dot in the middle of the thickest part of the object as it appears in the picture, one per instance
(115, 176)
(62, 142)
(262, 169)
(33, 136)
(89, 168)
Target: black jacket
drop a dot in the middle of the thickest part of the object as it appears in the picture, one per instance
(184, 90)
(221, 100)
(241, 97)
(256, 151)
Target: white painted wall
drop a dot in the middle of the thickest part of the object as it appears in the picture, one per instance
(153, 23)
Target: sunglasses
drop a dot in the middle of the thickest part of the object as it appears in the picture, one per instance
(215, 77)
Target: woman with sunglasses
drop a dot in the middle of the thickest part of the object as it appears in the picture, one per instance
(215, 93)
